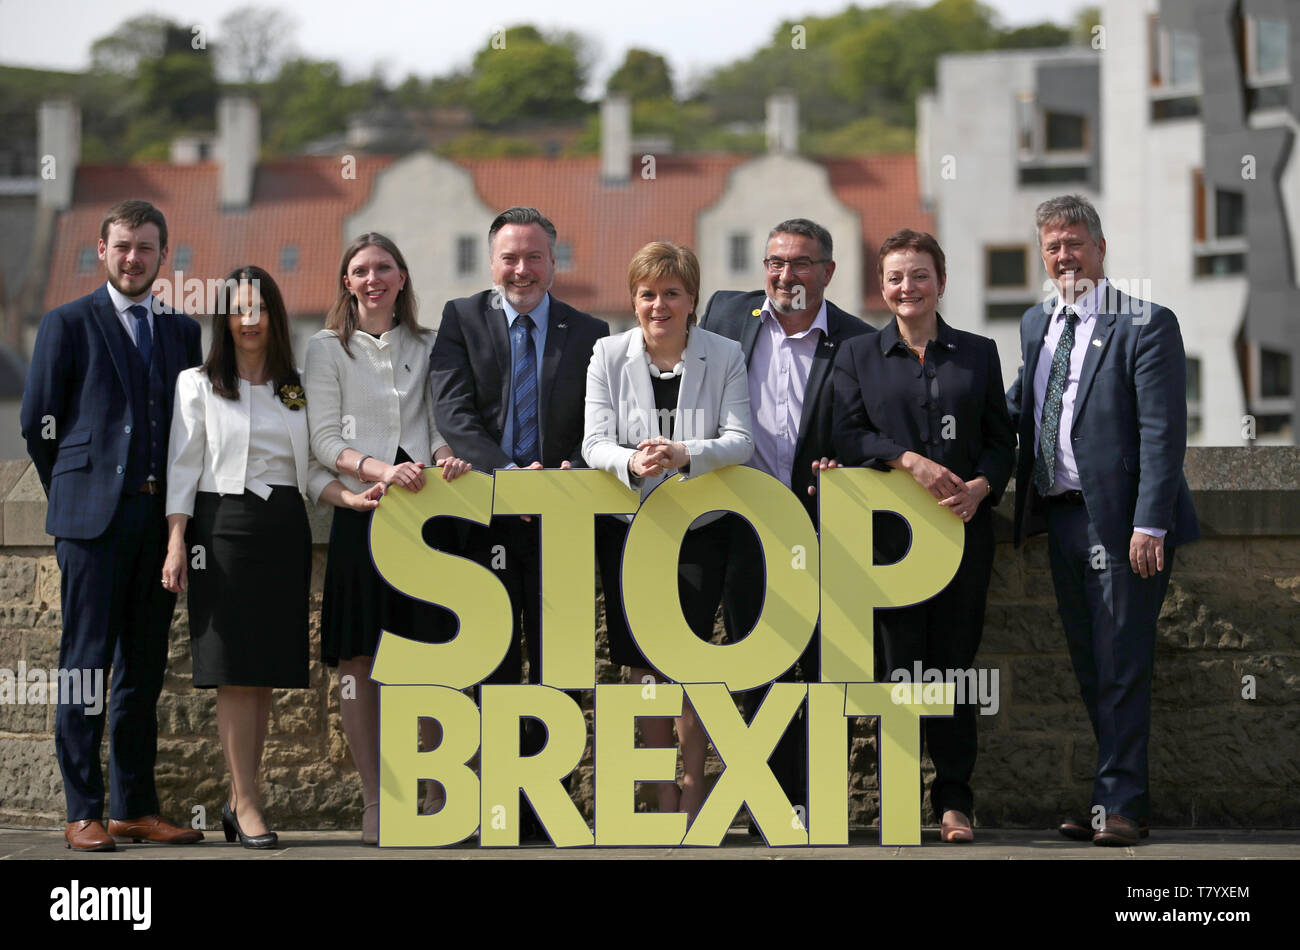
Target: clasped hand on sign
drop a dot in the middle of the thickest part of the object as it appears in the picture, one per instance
(656, 456)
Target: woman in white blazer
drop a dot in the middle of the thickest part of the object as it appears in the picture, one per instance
(370, 417)
(664, 399)
(238, 467)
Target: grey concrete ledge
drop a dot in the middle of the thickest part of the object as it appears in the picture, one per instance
(1246, 491)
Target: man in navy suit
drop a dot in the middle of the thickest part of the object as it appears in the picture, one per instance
(96, 414)
(790, 334)
(508, 377)
(1101, 409)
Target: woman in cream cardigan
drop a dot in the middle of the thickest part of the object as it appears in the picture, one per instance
(666, 398)
(238, 469)
(370, 418)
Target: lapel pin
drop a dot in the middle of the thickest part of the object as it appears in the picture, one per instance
(1096, 342)
(561, 326)
(756, 313)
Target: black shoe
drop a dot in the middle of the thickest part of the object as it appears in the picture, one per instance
(230, 824)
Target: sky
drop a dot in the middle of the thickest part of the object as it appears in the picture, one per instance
(433, 38)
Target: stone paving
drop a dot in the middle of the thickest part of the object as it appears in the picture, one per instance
(991, 844)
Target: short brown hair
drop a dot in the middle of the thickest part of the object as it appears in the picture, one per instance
(909, 240)
(660, 259)
(133, 213)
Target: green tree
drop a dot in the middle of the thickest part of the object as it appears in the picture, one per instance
(255, 42)
(1035, 36)
(643, 75)
(309, 100)
(528, 77)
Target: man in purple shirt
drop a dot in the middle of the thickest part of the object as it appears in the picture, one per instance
(1101, 409)
(790, 334)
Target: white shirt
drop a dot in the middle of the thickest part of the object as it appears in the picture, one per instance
(1066, 474)
(270, 450)
(123, 304)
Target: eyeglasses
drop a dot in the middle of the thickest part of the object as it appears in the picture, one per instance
(800, 265)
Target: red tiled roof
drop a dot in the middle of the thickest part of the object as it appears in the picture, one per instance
(606, 225)
(303, 202)
(884, 190)
(299, 201)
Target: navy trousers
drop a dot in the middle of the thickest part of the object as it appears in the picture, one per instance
(115, 614)
(1109, 614)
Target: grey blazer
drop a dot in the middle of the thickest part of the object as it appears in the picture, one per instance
(712, 406)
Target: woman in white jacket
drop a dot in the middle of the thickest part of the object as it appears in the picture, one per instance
(370, 416)
(238, 467)
(666, 398)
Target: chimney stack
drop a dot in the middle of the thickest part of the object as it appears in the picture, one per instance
(58, 143)
(782, 124)
(238, 139)
(615, 140)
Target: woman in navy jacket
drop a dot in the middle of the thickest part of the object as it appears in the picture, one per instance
(925, 398)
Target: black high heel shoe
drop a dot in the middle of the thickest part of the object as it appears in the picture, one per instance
(230, 824)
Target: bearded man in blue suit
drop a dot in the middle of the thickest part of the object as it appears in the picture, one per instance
(1101, 410)
(96, 415)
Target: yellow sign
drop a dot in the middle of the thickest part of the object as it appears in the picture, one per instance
(834, 580)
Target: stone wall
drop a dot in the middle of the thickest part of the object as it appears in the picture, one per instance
(1218, 758)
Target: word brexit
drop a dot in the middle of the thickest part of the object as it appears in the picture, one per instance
(805, 579)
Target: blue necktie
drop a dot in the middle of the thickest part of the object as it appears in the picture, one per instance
(1045, 464)
(143, 338)
(524, 387)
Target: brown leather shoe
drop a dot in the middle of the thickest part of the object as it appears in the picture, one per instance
(955, 827)
(88, 835)
(153, 828)
(1081, 829)
(1119, 832)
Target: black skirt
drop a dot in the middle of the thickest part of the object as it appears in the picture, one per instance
(248, 597)
(358, 604)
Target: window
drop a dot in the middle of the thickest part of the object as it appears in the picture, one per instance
(86, 258)
(1006, 267)
(1053, 174)
(563, 257)
(1229, 213)
(1175, 72)
(1184, 59)
(995, 312)
(183, 257)
(1267, 46)
(738, 253)
(1065, 133)
(1193, 396)
(1219, 221)
(466, 255)
(289, 258)
(1274, 374)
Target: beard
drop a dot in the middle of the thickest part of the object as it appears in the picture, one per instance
(134, 286)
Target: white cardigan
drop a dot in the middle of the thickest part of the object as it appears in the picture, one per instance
(373, 401)
(712, 418)
(208, 448)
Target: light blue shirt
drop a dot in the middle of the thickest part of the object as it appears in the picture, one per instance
(541, 317)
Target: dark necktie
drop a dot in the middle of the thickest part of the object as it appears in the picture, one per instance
(143, 338)
(1045, 464)
(524, 387)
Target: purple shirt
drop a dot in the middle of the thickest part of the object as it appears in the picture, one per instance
(778, 377)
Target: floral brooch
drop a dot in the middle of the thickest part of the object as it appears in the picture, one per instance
(292, 396)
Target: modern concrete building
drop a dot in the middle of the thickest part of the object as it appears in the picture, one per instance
(1178, 121)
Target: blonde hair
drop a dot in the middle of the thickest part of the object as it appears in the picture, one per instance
(660, 259)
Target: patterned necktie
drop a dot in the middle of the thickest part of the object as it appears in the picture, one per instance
(1045, 464)
(143, 338)
(524, 387)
